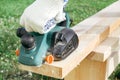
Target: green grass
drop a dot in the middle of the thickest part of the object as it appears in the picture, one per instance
(13, 7)
(10, 12)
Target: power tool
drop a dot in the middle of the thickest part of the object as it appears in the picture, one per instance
(55, 45)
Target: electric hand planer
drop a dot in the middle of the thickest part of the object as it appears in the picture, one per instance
(55, 45)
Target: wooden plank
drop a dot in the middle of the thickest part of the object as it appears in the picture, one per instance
(116, 34)
(95, 70)
(87, 42)
(111, 14)
(88, 70)
(103, 51)
(112, 62)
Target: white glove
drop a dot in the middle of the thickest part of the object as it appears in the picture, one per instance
(42, 15)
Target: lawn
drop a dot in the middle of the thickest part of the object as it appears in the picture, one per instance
(10, 12)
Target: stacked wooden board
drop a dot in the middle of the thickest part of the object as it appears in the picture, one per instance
(99, 38)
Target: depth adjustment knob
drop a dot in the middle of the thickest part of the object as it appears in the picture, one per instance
(21, 31)
(28, 41)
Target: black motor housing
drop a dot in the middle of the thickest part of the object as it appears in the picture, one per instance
(65, 42)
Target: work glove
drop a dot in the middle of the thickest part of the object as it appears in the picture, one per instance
(42, 15)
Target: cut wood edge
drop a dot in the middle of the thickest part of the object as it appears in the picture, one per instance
(103, 51)
(112, 62)
(45, 69)
(116, 34)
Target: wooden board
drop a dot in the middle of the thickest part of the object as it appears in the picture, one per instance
(112, 62)
(90, 32)
(103, 51)
(95, 70)
(88, 70)
(116, 34)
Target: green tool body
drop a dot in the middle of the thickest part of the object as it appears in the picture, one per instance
(59, 42)
(36, 56)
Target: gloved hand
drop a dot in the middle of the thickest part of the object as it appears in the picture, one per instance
(42, 15)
